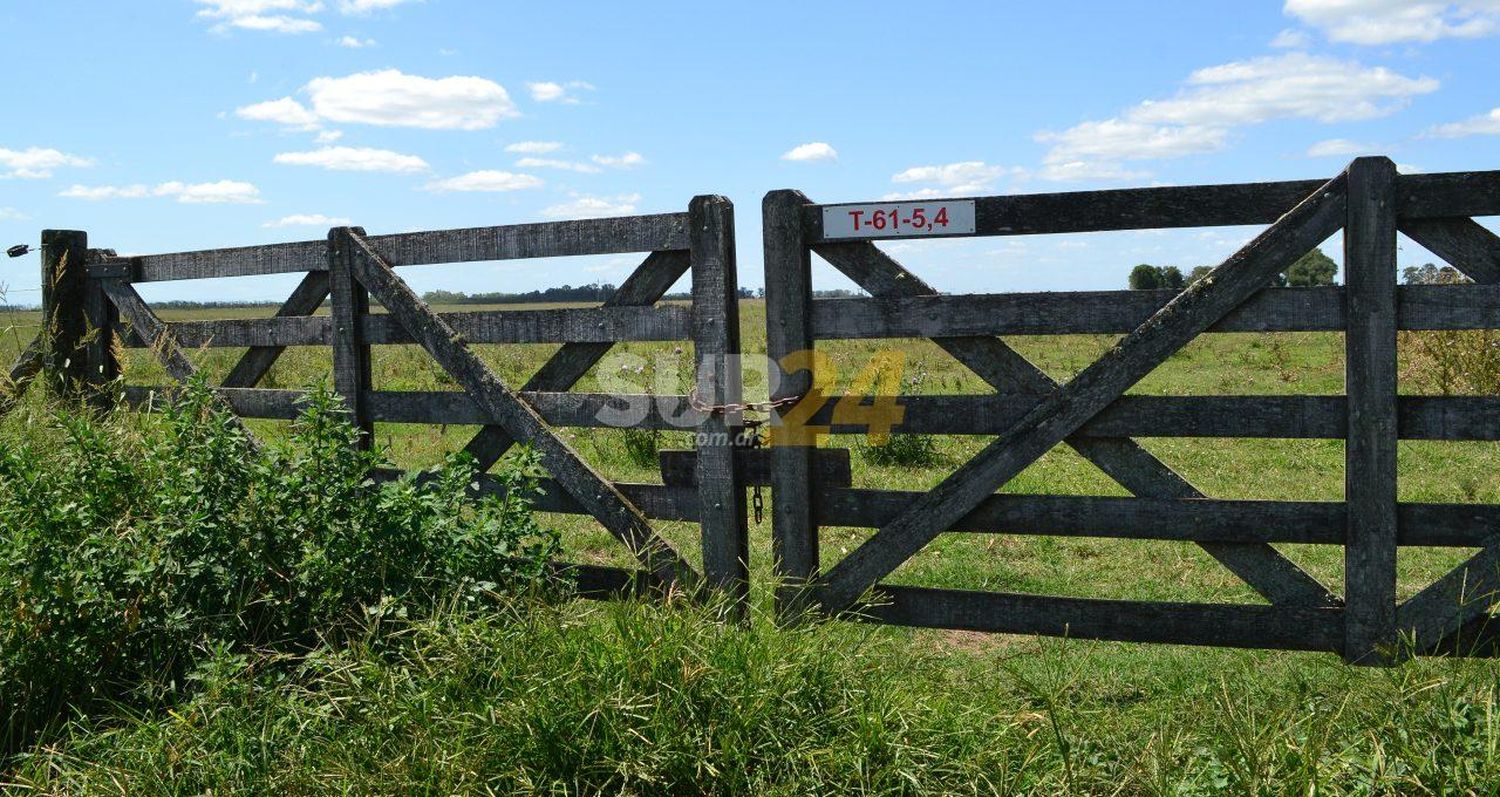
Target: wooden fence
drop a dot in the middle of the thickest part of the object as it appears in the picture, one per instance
(90, 300)
(1029, 413)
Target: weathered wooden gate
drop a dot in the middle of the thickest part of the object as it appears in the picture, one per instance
(85, 307)
(1030, 413)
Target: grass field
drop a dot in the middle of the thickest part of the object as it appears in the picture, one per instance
(1046, 716)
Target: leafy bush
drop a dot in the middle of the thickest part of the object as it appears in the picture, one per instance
(131, 545)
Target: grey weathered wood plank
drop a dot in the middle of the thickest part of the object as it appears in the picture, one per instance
(349, 305)
(1181, 519)
(509, 242)
(568, 325)
(101, 366)
(65, 289)
(1222, 625)
(1464, 243)
(21, 373)
(454, 407)
(723, 518)
(831, 467)
(1264, 568)
(788, 275)
(134, 312)
(648, 283)
(1448, 194)
(1283, 417)
(1121, 209)
(605, 503)
(304, 300)
(1454, 602)
(1059, 415)
(1370, 382)
(1420, 307)
(654, 500)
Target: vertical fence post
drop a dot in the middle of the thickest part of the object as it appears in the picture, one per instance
(349, 303)
(64, 302)
(1370, 382)
(716, 348)
(788, 263)
(103, 367)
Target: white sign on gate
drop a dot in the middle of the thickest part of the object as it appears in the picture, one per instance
(899, 219)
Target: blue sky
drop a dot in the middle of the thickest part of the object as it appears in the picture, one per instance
(182, 124)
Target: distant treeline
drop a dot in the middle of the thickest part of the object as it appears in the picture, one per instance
(583, 293)
(1311, 270)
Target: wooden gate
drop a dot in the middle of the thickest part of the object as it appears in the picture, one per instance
(86, 308)
(1030, 413)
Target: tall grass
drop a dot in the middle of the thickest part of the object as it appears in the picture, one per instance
(131, 546)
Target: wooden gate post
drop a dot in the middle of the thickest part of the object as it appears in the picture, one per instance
(349, 304)
(64, 307)
(716, 347)
(1370, 382)
(788, 262)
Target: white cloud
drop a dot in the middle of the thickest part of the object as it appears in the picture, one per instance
(221, 192)
(1389, 21)
(591, 207)
(534, 147)
(308, 220)
(1068, 171)
(36, 163)
(354, 159)
(328, 136)
(391, 98)
(966, 177)
(1487, 124)
(1218, 99)
(552, 163)
(486, 180)
(262, 15)
(1119, 139)
(285, 111)
(813, 151)
(1292, 39)
(102, 192)
(11, 214)
(627, 161)
(354, 42)
(367, 6)
(547, 91)
(1338, 146)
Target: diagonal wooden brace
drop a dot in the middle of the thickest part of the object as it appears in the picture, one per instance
(650, 281)
(151, 329)
(1061, 413)
(305, 300)
(22, 371)
(595, 493)
(1465, 244)
(1262, 567)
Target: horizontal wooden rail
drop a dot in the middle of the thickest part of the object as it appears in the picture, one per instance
(1421, 196)
(1180, 519)
(563, 325)
(658, 232)
(1224, 625)
(1282, 417)
(591, 410)
(656, 501)
(1119, 312)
